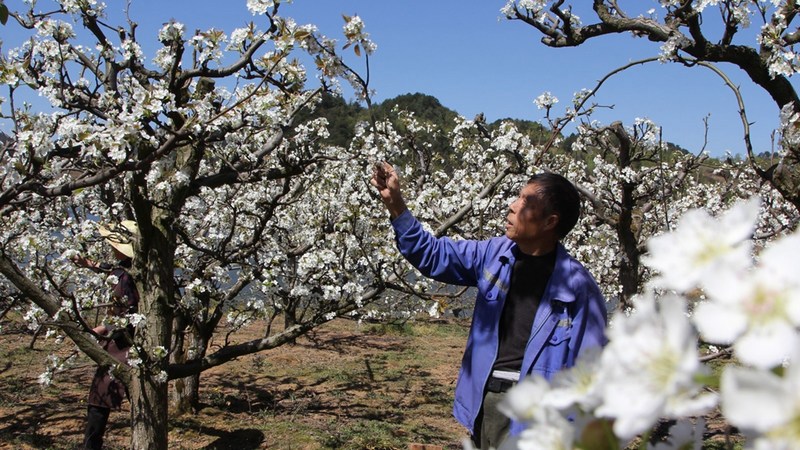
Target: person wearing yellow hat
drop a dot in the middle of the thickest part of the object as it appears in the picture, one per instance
(121, 236)
(107, 393)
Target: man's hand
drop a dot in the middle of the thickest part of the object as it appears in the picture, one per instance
(386, 181)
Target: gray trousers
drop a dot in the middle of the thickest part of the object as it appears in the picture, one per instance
(491, 426)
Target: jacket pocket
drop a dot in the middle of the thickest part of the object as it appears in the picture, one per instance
(491, 286)
(555, 353)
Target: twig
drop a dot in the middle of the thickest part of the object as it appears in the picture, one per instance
(742, 115)
(562, 122)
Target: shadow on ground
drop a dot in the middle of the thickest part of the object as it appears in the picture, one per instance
(236, 440)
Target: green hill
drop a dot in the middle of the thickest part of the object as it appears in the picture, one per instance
(343, 117)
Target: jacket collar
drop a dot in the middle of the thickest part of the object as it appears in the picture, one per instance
(560, 286)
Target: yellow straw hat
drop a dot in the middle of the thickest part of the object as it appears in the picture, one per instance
(120, 236)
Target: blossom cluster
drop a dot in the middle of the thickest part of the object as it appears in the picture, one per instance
(355, 34)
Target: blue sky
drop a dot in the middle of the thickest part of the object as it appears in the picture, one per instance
(472, 60)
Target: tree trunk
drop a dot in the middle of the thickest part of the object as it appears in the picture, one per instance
(186, 392)
(148, 390)
(149, 414)
(290, 317)
(178, 356)
(186, 395)
(153, 270)
(629, 276)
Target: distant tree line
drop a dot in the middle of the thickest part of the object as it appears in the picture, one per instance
(343, 115)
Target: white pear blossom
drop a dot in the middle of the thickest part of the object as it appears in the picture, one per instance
(551, 432)
(112, 280)
(171, 31)
(355, 34)
(649, 367)
(526, 401)
(135, 319)
(790, 126)
(257, 7)
(670, 48)
(545, 100)
(701, 247)
(45, 378)
(578, 385)
(761, 401)
(759, 311)
(533, 6)
(161, 377)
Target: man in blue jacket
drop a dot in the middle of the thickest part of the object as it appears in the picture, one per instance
(537, 307)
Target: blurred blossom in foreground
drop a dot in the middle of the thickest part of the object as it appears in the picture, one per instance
(761, 402)
(758, 311)
(702, 246)
(649, 367)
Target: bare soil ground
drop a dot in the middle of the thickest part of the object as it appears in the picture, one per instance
(346, 385)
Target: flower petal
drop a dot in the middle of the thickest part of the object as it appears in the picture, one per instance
(719, 323)
(754, 399)
(766, 346)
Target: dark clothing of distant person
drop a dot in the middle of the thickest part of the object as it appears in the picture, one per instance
(106, 392)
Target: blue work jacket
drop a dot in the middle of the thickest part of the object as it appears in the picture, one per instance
(571, 315)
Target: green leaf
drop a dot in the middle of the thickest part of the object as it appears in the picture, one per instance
(709, 380)
(3, 13)
(20, 168)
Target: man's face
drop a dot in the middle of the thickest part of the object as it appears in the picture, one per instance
(528, 225)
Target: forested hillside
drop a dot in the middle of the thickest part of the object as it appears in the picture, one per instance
(343, 116)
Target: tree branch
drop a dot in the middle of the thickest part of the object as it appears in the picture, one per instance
(51, 306)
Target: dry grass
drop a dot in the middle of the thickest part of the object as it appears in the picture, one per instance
(346, 386)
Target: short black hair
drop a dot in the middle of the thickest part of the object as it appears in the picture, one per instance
(559, 197)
